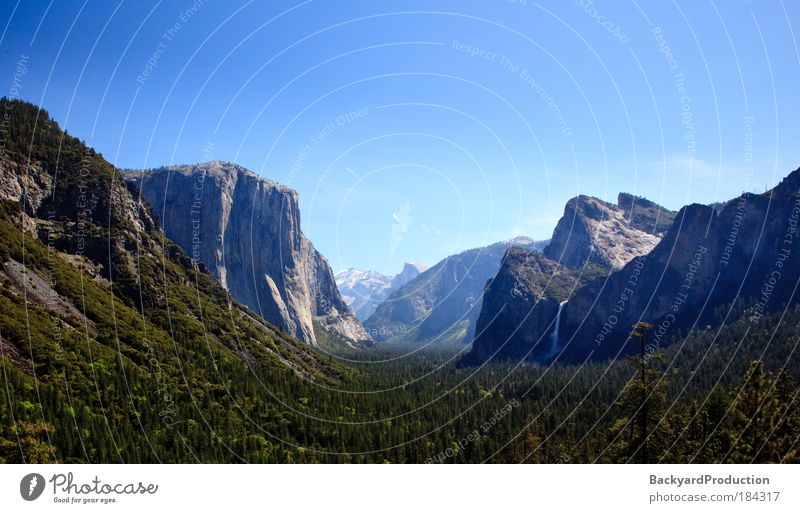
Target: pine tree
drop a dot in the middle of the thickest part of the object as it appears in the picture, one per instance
(635, 437)
(27, 442)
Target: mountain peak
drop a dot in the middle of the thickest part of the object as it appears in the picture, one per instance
(626, 201)
(414, 267)
(595, 231)
(589, 206)
(363, 291)
(410, 271)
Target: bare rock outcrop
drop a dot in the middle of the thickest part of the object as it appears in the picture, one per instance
(246, 230)
(525, 305)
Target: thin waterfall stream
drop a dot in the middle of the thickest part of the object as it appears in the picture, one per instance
(554, 337)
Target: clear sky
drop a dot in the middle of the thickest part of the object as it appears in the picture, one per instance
(415, 129)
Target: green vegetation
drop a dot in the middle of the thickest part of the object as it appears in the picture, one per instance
(161, 366)
(95, 403)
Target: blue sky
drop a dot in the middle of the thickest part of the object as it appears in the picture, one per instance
(416, 129)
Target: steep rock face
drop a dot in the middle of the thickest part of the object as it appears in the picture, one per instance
(442, 304)
(713, 266)
(593, 231)
(522, 305)
(363, 291)
(105, 283)
(25, 184)
(246, 230)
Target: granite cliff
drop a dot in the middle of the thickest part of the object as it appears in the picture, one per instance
(246, 231)
(594, 231)
(89, 281)
(714, 266)
(524, 305)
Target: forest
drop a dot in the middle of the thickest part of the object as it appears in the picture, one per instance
(154, 363)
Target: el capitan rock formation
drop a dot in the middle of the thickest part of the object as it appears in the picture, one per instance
(246, 230)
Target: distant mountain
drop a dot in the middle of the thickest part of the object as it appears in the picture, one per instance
(363, 291)
(410, 271)
(246, 230)
(521, 310)
(441, 304)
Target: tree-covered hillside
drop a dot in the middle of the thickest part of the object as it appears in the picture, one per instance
(114, 347)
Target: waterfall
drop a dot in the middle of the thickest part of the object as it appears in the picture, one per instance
(554, 337)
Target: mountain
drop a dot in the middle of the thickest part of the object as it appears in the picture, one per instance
(714, 265)
(410, 271)
(363, 291)
(112, 340)
(117, 347)
(523, 306)
(246, 230)
(604, 234)
(520, 307)
(441, 304)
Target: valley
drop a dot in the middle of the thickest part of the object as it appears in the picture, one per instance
(132, 332)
